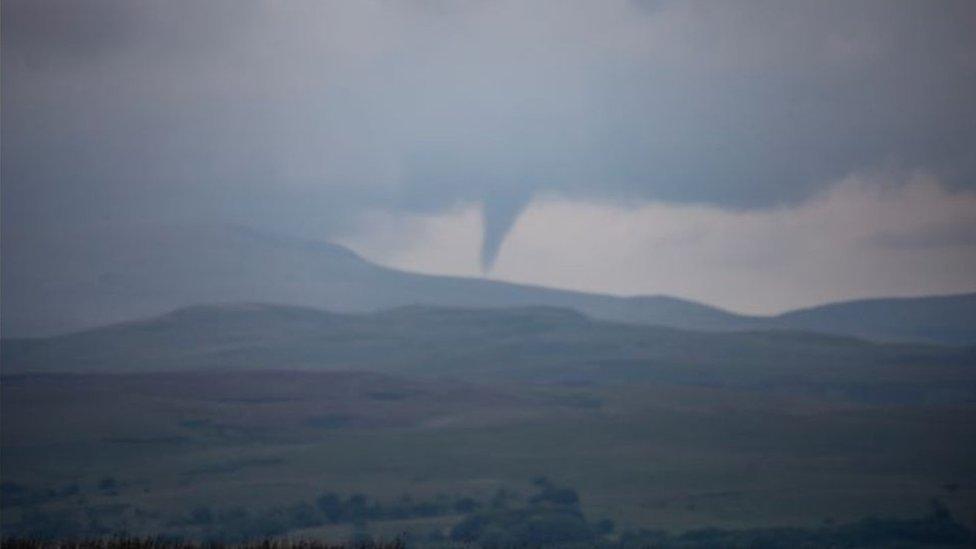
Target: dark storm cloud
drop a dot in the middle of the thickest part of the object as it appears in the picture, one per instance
(299, 116)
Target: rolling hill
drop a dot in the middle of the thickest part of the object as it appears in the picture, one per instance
(535, 344)
(947, 319)
(133, 275)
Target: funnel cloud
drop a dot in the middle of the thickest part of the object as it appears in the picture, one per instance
(499, 212)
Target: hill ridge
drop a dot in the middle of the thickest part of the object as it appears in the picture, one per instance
(188, 266)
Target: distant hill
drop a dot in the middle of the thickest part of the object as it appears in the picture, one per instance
(538, 344)
(130, 275)
(942, 319)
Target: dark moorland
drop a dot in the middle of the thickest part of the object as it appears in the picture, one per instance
(439, 426)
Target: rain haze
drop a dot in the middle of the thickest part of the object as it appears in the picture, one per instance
(591, 205)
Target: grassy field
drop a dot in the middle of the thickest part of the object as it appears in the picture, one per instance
(143, 450)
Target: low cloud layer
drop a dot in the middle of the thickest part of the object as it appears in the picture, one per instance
(301, 117)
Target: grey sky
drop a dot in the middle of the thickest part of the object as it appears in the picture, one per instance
(302, 117)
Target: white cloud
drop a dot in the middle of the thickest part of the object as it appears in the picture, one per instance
(860, 238)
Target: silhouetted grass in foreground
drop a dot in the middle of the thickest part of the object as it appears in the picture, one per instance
(165, 543)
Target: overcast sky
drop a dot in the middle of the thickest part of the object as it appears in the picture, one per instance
(754, 155)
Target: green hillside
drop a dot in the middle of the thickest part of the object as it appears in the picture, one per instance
(530, 344)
